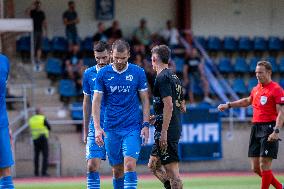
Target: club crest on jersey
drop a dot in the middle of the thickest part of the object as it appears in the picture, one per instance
(129, 77)
(263, 100)
(282, 99)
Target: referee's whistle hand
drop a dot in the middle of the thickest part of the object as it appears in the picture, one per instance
(222, 107)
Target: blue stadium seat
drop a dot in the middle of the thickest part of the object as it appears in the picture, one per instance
(252, 82)
(274, 43)
(59, 44)
(259, 44)
(252, 63)
(23, 44)
(244, 44)
(202, 41)
(54, 66)
(89, 62)
(179, 62)
(46, 48)
(230, 44)
(67, 88)
(249, 111)
(281, 65)
(274, 65)
(239, 86)
(214, 43)
(225, 65)
(87, 44)
(77, 111)
(241, 65)
(281, 83)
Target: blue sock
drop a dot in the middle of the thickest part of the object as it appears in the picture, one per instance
(130, 180)
(6, 182)
(93, 180)
(118, 183)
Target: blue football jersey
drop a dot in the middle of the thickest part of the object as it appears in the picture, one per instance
(4, 72)
(89, 79)
(121, 93)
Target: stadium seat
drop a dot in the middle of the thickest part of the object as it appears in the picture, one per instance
(67, 88)
(281, 83)
(213, 43)
(252, 82)
(54, 66)
(230, 44)
(252, 63)
(274, 65)
(274, 43)
(225, 65)
(89, 62)
(77, 111)
(249, 111)
(239, 86)
(46, 45)
(179, 62)
(241, 65)
(59, 44)
(281, 65)
(244, 44)
(23, 44)
(202, 41)
(259, 44)
(87, 44)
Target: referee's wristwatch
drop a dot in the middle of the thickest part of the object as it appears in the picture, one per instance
(229, 104)
(276, 130)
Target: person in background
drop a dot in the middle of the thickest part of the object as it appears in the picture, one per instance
(40, 128)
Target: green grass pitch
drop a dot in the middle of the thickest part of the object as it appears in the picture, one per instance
(232, 182)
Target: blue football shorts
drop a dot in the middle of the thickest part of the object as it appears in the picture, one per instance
(6, 157)
(120, 144)
(93, 150)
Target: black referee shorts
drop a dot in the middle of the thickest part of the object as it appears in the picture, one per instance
(258, 144)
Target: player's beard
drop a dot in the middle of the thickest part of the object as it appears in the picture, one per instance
(120, 66)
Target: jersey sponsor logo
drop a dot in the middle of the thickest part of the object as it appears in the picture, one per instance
(120, 89)
(129, 77)
(110, 78)
(263, 100)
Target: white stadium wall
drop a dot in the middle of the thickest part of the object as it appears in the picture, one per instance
(128, 12)
(238, 17)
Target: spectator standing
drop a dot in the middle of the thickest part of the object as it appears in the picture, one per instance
(70, 19)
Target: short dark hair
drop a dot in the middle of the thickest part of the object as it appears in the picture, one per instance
(163, 52)
(120, 46)
(70, 2)
(101, 46)
(265, 64)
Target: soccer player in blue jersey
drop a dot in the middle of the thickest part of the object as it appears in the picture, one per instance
(6, 159)
(94, 153)
(121, 84)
